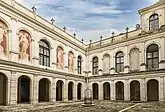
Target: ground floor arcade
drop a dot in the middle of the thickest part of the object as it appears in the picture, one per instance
(28, 89)
(144, 89)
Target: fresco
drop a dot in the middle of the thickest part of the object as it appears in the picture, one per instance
(70, 62)
(3, 39)
(60, 57)
(24, 45)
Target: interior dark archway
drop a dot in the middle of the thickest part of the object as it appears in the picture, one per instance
(106, 91)
(95, 89)
(119, 90)
(3, 89)
(59, 90)
(135, 91)
(70, 90)
(23, 94)
(44, 90)
(79, 86)
(153, 90)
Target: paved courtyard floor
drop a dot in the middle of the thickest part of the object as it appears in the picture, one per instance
(99, 106)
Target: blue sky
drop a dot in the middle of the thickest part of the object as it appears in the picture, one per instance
(90, 19)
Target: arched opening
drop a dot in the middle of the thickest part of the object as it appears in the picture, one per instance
(95, 65)
(135, 91)
(44, 53)
(106, 63)
(134, 59)
(59, 90)
(119, 90)
(3, 89)
(152, 56)
(153, 90)
(79, 86)
(23, 89)
(70, 91)
(106, 90)
(44, 90)
(120, 61)
(154, 22)
(95, 91)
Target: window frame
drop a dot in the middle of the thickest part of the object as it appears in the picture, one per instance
(79, 65)
(45, 54)
(152, 58)
(120, 63)
(95, 65)
(154, 23)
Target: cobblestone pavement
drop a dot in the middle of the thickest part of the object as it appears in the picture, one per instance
(99, 106)
(149, 107)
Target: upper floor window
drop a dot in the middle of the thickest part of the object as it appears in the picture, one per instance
(44, 53)
(154, 22)
(79, 60)
(95, 65)
(152, 56)
(119, 62)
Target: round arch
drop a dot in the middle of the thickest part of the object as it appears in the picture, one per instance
(59, 90)
(44, 90)
(95, 91)
(106, 91)
(79, 91)
(153, 90)
(135, 90)
(23, 89)
(3, 88)
(119, 90)
(70, 90)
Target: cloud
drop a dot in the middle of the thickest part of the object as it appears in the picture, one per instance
(89, 18)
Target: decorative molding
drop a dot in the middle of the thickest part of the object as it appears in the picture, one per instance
(162, 61)
(142, 64)
(36, 58)
(14, 52)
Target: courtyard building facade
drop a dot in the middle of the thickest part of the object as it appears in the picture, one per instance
(40, 62)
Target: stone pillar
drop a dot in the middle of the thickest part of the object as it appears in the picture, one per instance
(161, 89)
(35, 45)
(112, 91)
(54, 90)
(112, 65)
(100, 90)
(8, 92)
(162, 54)
(100, 70)
(126, 66)
(75, 91)
(66, 91)
(143, 89)
(126, 91)
(35, 89)
(53, 54)
(13, 91)
(142, 57)
(14, 40)
(66, 58)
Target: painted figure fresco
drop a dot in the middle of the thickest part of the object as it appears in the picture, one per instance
(3, 39)
(60, 57)
(70, 62)
(24, 45)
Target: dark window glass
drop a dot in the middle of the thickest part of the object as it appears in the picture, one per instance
(79, 62)
(44, 53)
(119, 62)
(95, 65)
(154, 22)
(152, 56)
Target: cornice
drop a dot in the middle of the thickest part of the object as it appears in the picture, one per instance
(39, 24)
(17, 67)
(159, 3)
(128, 41)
